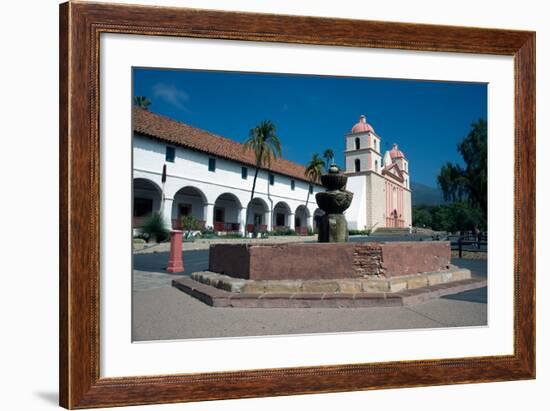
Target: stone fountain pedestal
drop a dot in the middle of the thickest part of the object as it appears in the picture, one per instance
(333, 228)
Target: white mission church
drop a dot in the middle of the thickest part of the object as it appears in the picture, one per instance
(210, 177)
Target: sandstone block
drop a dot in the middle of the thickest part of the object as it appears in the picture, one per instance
(375, 286)
(417, 282)
(435, 278)
(462, 274)
(396, 286)
(319, 286)
(352, 286)
(283, 286)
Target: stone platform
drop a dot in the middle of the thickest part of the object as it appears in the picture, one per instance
(221, 298)
(328, 275)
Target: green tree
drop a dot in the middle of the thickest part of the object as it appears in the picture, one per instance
(313, 171)
(265, 145)
(452, 181)
(468, 184)
(328, 155)
(421, 216)
(457, 216)
(142, 102)
(474, 152)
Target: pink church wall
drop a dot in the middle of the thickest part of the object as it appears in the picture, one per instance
(394, 204)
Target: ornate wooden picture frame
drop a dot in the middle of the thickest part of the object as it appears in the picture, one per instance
(80, 27)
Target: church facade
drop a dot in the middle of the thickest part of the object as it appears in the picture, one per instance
(180, 170)
(380, 183)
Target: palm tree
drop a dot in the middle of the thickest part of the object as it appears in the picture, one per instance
(265, 144)
(142, 102)
(328, 156)
(314, 170)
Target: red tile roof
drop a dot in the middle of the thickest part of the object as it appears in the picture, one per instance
(175, 132)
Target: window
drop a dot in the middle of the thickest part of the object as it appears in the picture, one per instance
(357, 165)
(211, 164)
(375, 142)
(244, 173)
(357, 143)
(271, 179)
(219, 215)
(376, 165)
(170, 154)
(292, 185)
(142, 206)
(185, 209)
(310, 189)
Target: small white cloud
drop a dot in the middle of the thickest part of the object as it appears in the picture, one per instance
(171, 94)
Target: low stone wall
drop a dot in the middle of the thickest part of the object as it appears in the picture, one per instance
(329, 260)
(283, 261)
(335, 285)
(411, 257)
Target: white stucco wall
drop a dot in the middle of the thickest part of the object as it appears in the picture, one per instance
(190, 169)
(356, 214)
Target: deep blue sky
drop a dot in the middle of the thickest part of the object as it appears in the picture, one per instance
(426, 119)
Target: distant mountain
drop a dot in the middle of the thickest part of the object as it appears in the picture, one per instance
(423, 194)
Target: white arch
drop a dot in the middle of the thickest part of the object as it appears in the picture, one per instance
(282, 215)
(188, 200)
(228, 213)
(302, 220)
(146, 199)
(258, 214)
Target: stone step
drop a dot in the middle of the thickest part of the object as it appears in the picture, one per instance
(220, 298)
(391, 231)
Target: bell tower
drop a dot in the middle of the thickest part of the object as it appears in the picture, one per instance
(362, 152)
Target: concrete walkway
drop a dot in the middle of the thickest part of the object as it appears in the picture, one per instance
(167, 313)
(161, 312)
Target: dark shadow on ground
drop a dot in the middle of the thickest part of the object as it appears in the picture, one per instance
(473, 296)
(156, 262)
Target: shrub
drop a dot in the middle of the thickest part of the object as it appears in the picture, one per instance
(283, 231)
(188, 222)
(208, 232)
(233, 235)
(153, 228)
(359, 232)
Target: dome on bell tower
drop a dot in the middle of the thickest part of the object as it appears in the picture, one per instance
(362, 126)
(396, 153)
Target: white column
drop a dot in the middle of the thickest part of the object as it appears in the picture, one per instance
(166, 212)
(291, 221)
(209, 215)
(242, 221)
(310, 221)
(269, 220)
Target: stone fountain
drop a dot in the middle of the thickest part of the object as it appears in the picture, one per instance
(333, 227)
(330, 273)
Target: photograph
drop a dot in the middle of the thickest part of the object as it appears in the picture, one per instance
(272, 204)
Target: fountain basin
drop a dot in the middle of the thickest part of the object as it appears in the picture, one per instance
(329, 260)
